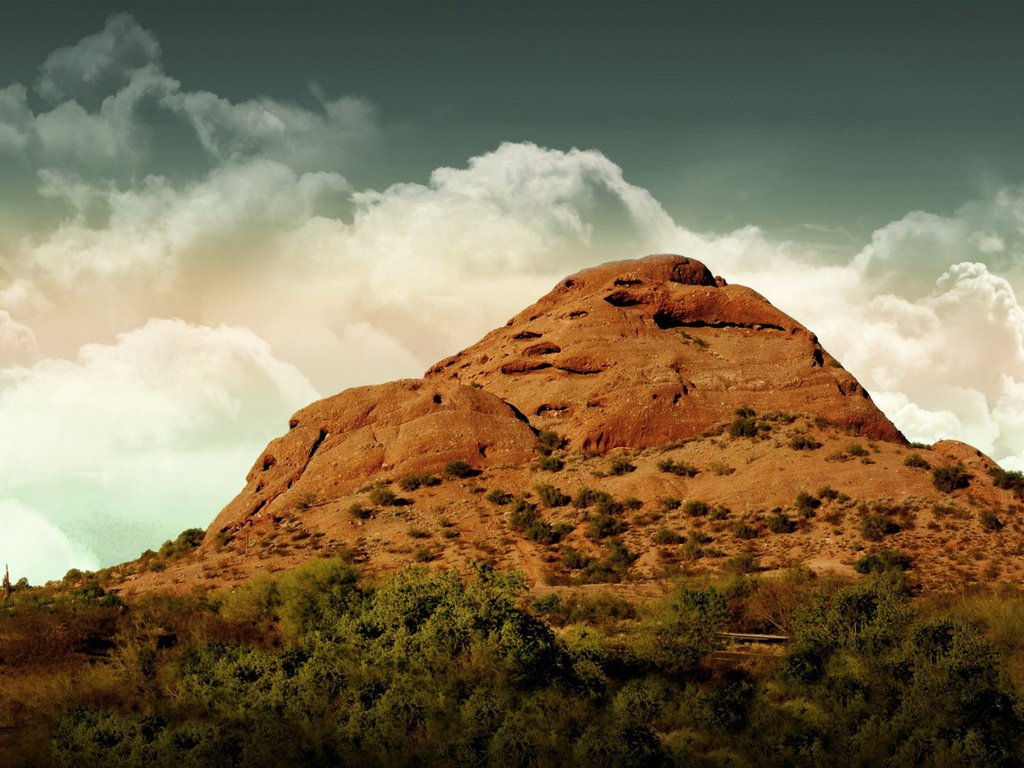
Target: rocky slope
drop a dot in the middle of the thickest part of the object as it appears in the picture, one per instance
(644, 418)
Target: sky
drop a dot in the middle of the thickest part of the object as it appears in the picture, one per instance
(212, 214)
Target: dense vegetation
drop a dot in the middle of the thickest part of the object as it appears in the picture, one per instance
(320, 667)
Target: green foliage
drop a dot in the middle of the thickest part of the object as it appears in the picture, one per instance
(806, 504)
(550, 496)
(677, 468)
(185, 542)
(549, 441)
(1011, 481)
(950, 477)
(882, 561)
(696, 508)
(459, 469)
(383, 496)
(315, 667)
(414, 482)
(780, 522)
(804, 443)
(550, 464)
(856, 449)
(875, 526)
(744, 530)
(916, 461)
(666, 536)
(360, 511)
(499, 497)
(601, 525)
(620, 465)
(990, 520)
(744, 426)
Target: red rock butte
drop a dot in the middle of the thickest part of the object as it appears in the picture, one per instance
(629, 354)
(643, 352)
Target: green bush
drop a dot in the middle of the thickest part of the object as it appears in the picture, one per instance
(499, 497)
(882, 561)
(990, 520)
(620, 465)
(950, 478)
(459, 469)
(804, 443)
(666, 536)
(550, 464)
(806, 504)
(695, 508)
(414, 482)
(383, 496)
(602, 525)
(916, 461)
(875, 526)
(745, 531)
(744, 426)
(549, 441)
(856, 449)
(677, 468)
(359, 510)
(780, 522)
(550, 496)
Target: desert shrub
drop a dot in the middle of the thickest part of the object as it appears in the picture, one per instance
(620, 465)
(383, 496)
(550, 464)
(184, 543)
(549, 441)
(745, 531)
(669, 503)
(677, 468)
(427, 553)
(804, 443)
(780, 522)
(499, 497)
(744, 426)
(573, 558)
(413, 482)
(718, 512)
(522, 514)
(990, 520)
(459, 469)
(619, 555)
(745, 562)
(632, 503)
(418, 533)
(550, 496)
(827, 493)
(586, 497)
(856, 449)
(695, 508)
(1011, 481)
(360, 511)
(666, 536)
(806, 504)
(875, 526)
(720, 468)
(545, 533)
(602, 525)
(916, 461)
(950, 478)
(700, 537)
(882, 561)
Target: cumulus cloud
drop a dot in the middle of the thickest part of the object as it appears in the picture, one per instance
(97, 63)
(117, 429)
(36, 549)
(135, 440)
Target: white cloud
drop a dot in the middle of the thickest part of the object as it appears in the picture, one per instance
(36, 549)
(18, 344)
(98, 63)
(133, 441)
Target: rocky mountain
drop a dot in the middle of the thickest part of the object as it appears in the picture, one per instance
(642, 418)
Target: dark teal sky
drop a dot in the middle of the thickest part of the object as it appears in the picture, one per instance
(840, 115)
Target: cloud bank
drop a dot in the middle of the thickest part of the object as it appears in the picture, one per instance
(162, 328)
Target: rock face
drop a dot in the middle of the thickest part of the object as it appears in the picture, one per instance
(643, 352)
(629, 354)
(399, 428)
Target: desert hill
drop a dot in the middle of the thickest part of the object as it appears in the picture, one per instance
(643, 418)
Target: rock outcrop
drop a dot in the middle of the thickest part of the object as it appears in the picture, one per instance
(643, 352)
(403, 427)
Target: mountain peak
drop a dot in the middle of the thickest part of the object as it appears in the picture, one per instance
(643, 352)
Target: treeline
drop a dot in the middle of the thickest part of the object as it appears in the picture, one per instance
(319, 667)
